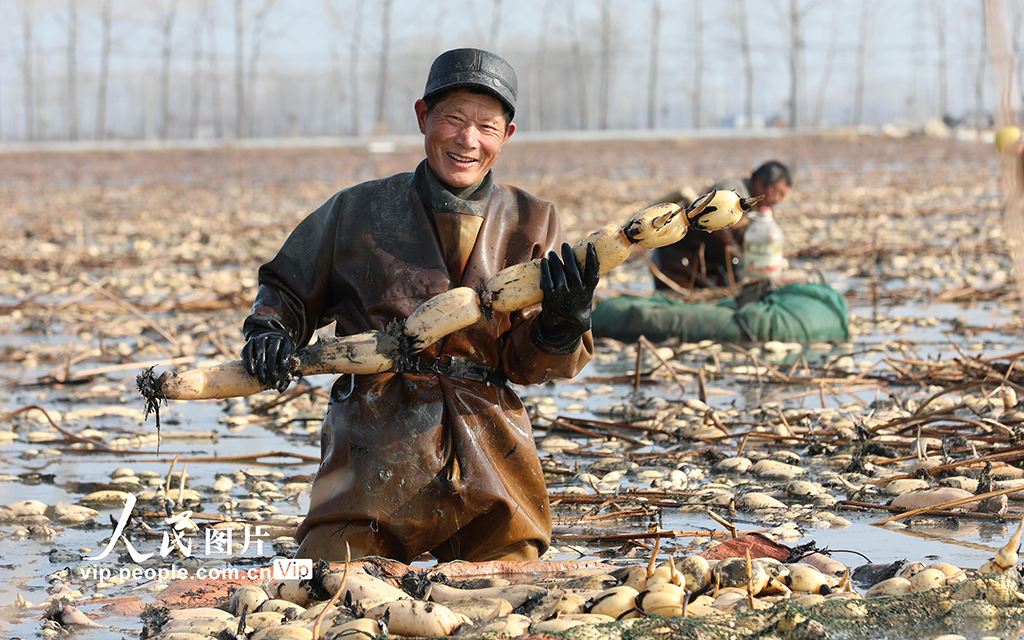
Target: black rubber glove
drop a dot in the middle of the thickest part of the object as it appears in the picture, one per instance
(568, 298)
(268, 350)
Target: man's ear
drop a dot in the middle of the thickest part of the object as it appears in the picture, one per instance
(511, 130)
(421, 115)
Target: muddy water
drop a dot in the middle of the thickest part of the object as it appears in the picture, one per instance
(26, 562)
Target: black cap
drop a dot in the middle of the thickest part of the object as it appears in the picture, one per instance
(460, 68)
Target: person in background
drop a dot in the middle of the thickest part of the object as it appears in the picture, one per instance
(708, 260)
(437, 455)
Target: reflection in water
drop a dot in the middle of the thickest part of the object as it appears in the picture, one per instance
(959, 529)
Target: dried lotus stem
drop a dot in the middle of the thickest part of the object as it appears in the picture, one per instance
(337, 595)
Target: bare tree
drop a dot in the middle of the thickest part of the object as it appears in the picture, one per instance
(1017, 44)
(796, 47)
(796, 61)
(1001, 57)
(166, 49)
(241, 117)
(742, 23)
(335, 88)
(915, 103)
(197, 64)
(382, 76)
(939, 13)
(577, 58)
(604, 82)
(979, 72)
(28, 91)
(867, 13)
(492, 40)
(826, 73)
(698, 61)
(42, 116)
(71, 105)
(652, 66)
(353, 61)
(258, 22)
(341, 21)
(104, 77)
(245, 93)
(441, 16)
(218, 111)
(541, 106)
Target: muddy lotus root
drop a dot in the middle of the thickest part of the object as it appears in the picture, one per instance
(511, 289)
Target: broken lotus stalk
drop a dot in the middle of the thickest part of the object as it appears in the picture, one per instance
(511, 289)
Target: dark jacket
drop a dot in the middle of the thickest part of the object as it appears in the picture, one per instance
(440, 463)
(722, 251)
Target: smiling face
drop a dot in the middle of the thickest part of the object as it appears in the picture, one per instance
(463, 136)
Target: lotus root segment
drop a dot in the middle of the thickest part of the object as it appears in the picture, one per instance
(657, 226)
(364, 353)
(516, 287)
(359, 354)
(442, 315)
(611, 244)
(224, 381)
(719, 209)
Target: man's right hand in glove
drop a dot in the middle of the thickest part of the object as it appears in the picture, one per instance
(568, 296)
(268, 351)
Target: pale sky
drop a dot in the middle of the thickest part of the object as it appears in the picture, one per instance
(305, 73)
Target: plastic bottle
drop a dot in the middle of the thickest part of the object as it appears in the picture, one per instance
(762, 247)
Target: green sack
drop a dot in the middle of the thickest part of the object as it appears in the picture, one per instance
(793, 313)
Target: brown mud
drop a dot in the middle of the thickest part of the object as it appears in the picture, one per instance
(115, 262)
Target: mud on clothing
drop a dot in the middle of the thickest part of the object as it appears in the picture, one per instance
(439, 463)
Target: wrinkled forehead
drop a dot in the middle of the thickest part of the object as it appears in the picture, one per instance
(477, 105)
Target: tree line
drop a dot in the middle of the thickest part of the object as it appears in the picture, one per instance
(99, 69)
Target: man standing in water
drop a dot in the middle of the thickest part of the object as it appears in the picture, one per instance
(437, 456)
